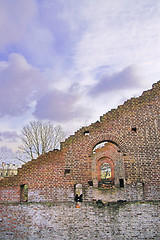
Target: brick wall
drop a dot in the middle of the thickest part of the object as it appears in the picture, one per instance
(66, 222)
(132, 132)
(10, 194)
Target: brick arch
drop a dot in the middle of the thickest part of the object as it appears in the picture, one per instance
(106, 137)
(109, 155)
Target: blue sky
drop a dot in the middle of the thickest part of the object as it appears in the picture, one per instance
(70, 61)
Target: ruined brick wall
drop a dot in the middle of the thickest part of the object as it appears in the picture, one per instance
(133, 132)
(134, 128)
(44, 178)
(10, 194)
(65, 222)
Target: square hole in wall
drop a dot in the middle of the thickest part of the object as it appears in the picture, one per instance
(66, 171)
(134, 129)
(86, 133)
(90, 183)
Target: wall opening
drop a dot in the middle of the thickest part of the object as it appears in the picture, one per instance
(86, 133)
(90, 183)
(105, 178)
(99, 145)
(134, 129)
(121, 183)
(102, 144)
(66, 171)
(105, 171)
(78, 192)
(24, 193)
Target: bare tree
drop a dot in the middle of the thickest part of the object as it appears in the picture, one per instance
(21, 156)
(40, 137)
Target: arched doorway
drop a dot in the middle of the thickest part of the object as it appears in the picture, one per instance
(78, 192)
(107, 165)
(105, 170)
(24, 193)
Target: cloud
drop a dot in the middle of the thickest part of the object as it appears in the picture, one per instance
(59, 106)
(5, 154)
(20, 85)
(15, 18)
(82, 48)
(50, 36)
(118, 34)
(10, 136)
(128, 78)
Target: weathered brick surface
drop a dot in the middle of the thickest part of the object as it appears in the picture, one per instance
(63, 221)
(133, 133)
(10, 194)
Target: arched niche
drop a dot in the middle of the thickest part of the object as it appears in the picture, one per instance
(107, 165)
(104, 138)
(24, 193)
(78, 192)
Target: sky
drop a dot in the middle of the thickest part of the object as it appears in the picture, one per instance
(71, 61)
